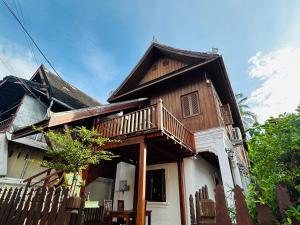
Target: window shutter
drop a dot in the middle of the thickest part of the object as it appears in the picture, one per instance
(226, 112)
(186, 106)
(194, 103)
(190, 104)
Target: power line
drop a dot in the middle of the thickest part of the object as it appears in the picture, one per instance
(21, 17)
(28, 34)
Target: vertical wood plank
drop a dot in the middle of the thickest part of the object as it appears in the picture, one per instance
(222, 216)
(242, 212)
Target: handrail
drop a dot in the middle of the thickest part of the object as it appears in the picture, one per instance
(46, 180)
(152, 118)
(137, 121)
(175, 128)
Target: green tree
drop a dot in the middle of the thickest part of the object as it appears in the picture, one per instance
(274, 151)
(74, 150)
(248, 117)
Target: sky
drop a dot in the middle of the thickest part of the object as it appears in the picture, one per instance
(95, 44)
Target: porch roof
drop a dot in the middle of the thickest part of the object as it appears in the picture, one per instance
(62, 118)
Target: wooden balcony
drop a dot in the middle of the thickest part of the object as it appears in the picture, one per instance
(152, 121)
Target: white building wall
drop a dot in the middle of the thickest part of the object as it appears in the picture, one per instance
(198, 172)
(3, 154)
(167, 213)
(100, 189)
(216, 141)
(125, 171)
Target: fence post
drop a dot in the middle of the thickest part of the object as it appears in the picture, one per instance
(283, 198)
(264, 215)
(197, 204)
(242, 212)
(192, 210)
(222, 216)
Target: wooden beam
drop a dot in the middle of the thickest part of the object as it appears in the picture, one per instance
(181, 191)
(140, 217)
(122, 143)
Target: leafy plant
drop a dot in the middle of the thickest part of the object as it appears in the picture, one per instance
(273, 150)
(292, 213)
(248, 117)
(74, 150)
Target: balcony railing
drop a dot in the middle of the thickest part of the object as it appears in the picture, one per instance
(155, 118)
(4, 125)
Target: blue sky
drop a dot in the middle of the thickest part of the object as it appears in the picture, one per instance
(95, 44)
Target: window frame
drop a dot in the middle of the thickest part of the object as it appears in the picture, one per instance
(190, 105)
(163, 186)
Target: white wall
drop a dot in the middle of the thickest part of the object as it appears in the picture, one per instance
(216, 141)
(3, 154)
(125, 171)
(167, 213)
(30, 112)
(198, 173)
(100, 189)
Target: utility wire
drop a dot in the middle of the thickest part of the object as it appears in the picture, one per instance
(21, 18)
(28, 34)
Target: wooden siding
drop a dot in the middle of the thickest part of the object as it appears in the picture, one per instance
(161, 69)
(171, 96)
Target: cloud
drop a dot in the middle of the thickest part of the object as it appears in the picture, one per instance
(96, 60)
(15, 60)
(279, 73)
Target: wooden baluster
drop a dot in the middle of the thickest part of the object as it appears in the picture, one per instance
(115, 127)
(133, 122)
(136, 126)
(128, 123)
(160, 124)
(153, 119)
(149, 118)
(122, 125)
(144, 119)
(140, 119)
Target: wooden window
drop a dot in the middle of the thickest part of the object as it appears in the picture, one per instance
(226, 113)
(190, 104)
(156, 186)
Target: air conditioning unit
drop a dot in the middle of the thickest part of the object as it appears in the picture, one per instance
(236, 136)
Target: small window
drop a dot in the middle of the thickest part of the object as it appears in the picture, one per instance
(190, 104)
(165, 62)
(156, 186)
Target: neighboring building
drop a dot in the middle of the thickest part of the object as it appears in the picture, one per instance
(24, 103)
(180, 129)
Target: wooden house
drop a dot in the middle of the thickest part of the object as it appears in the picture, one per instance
(179, 128)
(24, 103)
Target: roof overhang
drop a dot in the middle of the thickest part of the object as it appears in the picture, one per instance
(61, 118)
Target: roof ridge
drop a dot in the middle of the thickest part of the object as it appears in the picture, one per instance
(190, 52)
(49, 74)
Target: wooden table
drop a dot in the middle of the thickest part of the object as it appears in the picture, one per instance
(127, 214)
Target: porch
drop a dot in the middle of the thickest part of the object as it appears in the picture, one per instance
(149, 139)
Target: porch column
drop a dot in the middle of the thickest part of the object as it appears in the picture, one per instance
(140, 217)
(181, 191)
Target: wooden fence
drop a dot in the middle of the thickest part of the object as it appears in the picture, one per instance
(204, 211)
(40, 206)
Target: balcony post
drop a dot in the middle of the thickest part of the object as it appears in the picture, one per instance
(160, 124)
(181, 191)
(141, 201)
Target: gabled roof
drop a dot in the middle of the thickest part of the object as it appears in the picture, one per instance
(154, 51)
(62, 90)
